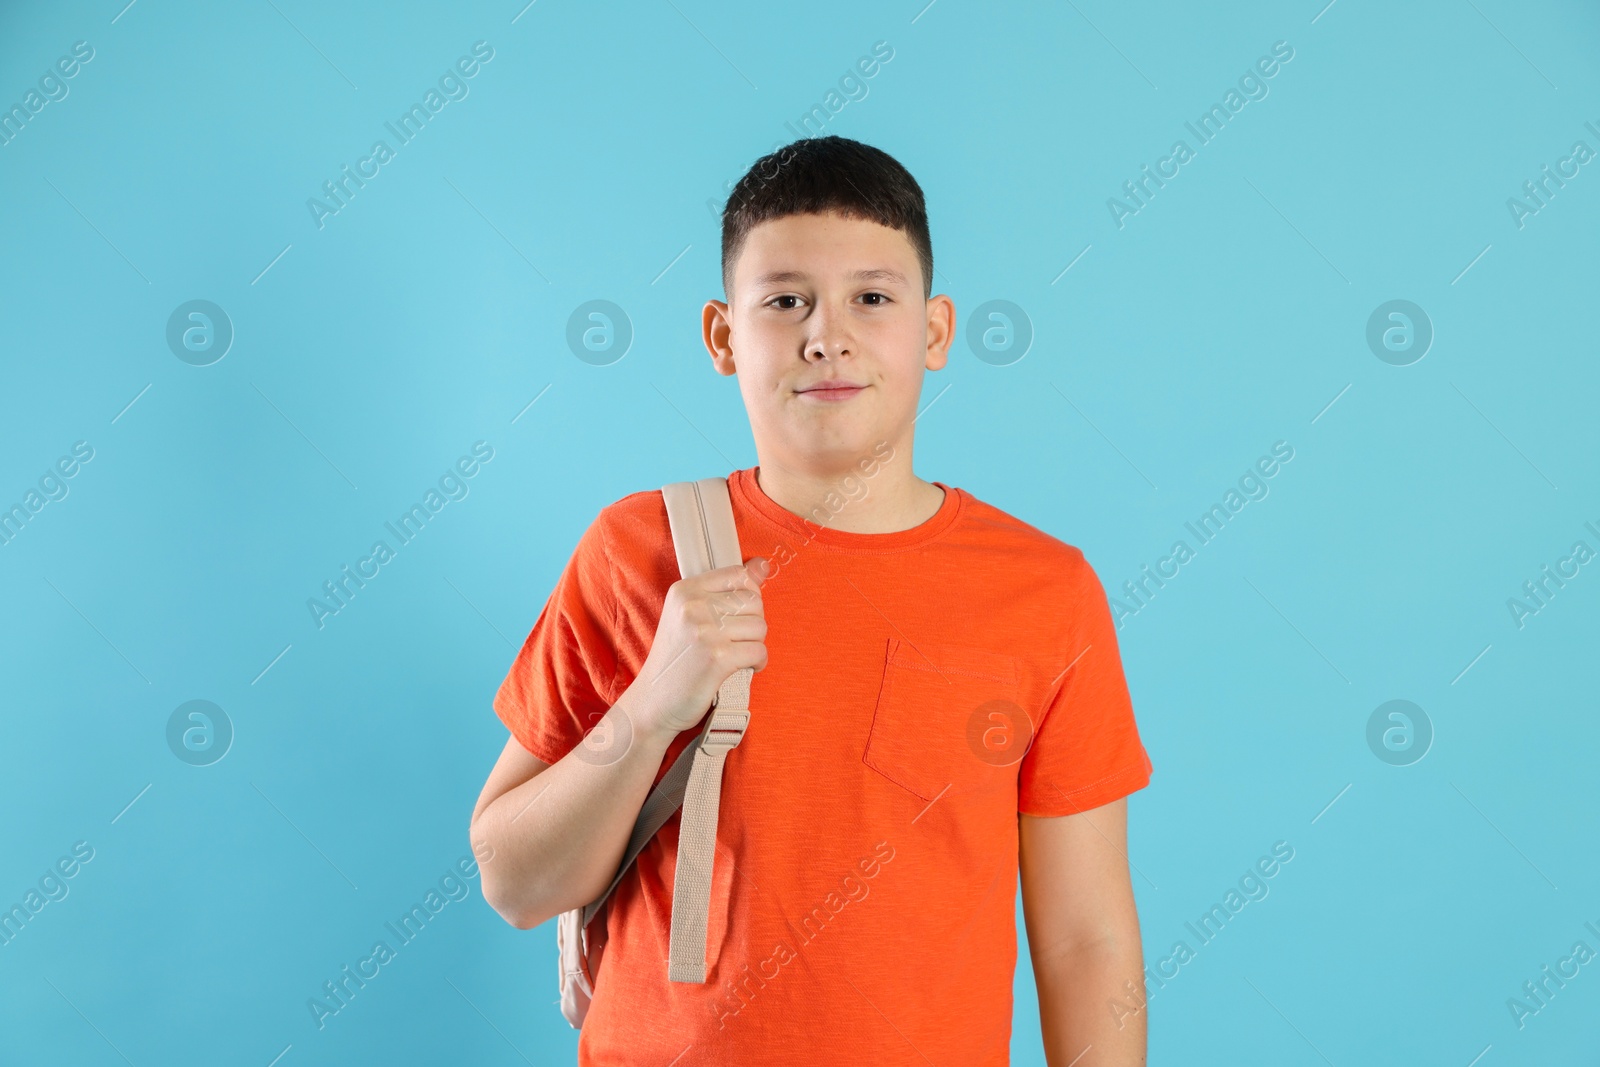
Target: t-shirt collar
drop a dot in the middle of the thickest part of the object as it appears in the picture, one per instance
(748, 493)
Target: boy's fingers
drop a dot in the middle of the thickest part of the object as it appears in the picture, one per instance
(740, 576)
(737, 602)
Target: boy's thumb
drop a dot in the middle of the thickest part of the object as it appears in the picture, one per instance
(760, 568)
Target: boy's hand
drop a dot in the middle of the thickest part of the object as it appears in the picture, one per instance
(711, 626)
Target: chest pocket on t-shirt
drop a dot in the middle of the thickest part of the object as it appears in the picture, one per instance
(941, 720)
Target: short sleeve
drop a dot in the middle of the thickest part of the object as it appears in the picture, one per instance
(557, 687)
(1086, 750)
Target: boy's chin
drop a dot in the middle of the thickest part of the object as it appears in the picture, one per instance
(832, 446)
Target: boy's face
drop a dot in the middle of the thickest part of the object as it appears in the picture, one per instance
(819, 298)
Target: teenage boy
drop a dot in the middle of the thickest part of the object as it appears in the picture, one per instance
(938, 700)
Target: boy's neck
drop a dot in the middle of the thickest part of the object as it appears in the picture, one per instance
(895, 498)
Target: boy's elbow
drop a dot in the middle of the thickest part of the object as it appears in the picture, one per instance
(519, 917)
(524, 897)
(496, 893)
(507, 896)
(503, 900)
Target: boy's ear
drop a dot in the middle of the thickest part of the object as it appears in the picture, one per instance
(716, 329)
(941, 331)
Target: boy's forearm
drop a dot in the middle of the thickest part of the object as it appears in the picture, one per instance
(555, 840)
(1091, 1006)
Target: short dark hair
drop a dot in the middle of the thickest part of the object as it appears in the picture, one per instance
(817, 174)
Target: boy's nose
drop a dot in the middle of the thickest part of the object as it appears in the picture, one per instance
(829, 343)
(818, 351)
(830, 335)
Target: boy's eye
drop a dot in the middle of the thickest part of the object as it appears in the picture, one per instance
(778, 301)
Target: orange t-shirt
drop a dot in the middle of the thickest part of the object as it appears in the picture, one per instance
(923, 687)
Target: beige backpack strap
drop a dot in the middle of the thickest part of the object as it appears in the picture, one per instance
(704, 537)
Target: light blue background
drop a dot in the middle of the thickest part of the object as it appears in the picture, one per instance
(1228, 314)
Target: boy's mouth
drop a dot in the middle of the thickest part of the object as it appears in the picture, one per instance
(835, 389)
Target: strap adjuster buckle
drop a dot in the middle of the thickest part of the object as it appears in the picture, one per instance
(725, 730)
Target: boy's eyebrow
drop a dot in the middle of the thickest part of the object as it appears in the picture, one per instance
(875, 274)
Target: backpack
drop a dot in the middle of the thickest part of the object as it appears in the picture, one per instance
(700, 515)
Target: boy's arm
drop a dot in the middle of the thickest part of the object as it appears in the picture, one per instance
(549, 836)
(1083, 936)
